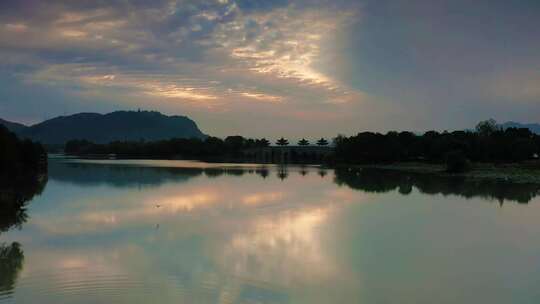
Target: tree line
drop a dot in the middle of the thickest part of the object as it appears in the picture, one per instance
(176, 147)
(195, 148)
(487, 143)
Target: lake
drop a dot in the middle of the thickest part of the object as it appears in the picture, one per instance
(106, 231)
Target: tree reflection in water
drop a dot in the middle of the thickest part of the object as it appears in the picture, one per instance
(282, 172)
(14, 196)
(380, 181)
(11, 263)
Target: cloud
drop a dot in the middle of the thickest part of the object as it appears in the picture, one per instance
(16, 27)
(237, 66)
(283, 43)
(213, 55)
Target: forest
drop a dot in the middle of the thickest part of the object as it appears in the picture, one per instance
(192, 148)
(487, 143)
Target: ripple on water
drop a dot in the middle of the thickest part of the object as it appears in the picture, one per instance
(81, 285)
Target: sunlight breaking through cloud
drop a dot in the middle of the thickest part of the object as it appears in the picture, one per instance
(262, 97)
(282, 44)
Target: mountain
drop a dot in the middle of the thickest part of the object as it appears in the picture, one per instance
(13, 126)
(104, 128)
(534, 127)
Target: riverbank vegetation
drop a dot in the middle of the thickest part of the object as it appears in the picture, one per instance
(488, 143)
(458, 151)
(23, 166)
(193, 148)
(20, 158)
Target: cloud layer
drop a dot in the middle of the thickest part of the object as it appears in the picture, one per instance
(242, 66)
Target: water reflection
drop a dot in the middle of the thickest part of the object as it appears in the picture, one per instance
(127, 175)
(263, 172)
(232, 241)
(282, 172)
(11, 263)
(121, 233)
(93, 174)
(14, 196)
(381, 181)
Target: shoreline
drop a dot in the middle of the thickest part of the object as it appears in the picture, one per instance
(523, 173)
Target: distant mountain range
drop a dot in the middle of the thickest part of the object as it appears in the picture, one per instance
(534, 127)
(104, 128)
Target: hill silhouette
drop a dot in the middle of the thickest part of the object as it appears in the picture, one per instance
(13, 126)
(534, 127)
(105, 128)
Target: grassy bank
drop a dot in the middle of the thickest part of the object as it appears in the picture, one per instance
(526, 172)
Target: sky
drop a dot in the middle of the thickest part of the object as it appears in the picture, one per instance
(275, 68)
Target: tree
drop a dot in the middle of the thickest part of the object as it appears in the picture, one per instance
(322, 142)
(282, 142)
(263, 142)
(487, 127)
(303, 142)
(20, 157)
(235, 143)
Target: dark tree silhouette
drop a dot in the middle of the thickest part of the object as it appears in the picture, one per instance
(20, 157)
(303, 142)
(235, 143)
(209, 148)
(487, 127)
(322, 142)
(263, 142)
(488, 144)
(282, 142)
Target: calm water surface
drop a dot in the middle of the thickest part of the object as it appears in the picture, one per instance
(186, 232)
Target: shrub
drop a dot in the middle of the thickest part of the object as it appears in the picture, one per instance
(523, 149)
(456, 162)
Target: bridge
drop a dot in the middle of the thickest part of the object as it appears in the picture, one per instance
(289, 154)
